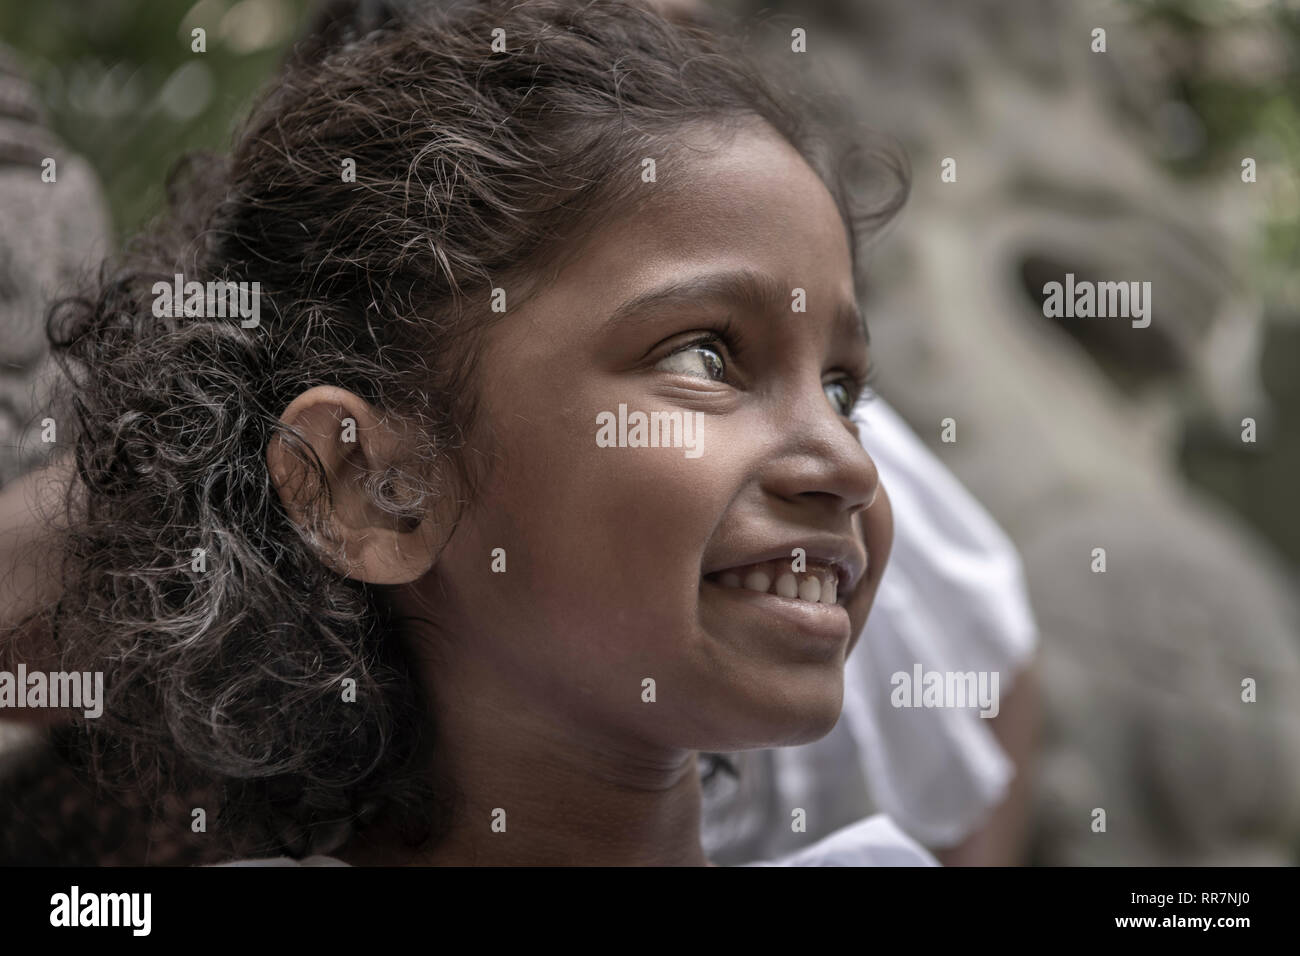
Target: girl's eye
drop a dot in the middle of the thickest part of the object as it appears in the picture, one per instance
(841, 397)
(700, 360)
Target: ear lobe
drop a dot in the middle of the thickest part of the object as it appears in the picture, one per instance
(357, 536)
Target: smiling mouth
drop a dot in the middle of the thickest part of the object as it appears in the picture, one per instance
(818, 584)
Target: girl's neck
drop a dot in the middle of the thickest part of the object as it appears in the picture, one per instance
(597, 825)
(530, 792)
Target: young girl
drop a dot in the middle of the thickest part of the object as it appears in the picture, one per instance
(530, 476)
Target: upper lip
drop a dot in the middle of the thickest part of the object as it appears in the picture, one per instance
(847, 556)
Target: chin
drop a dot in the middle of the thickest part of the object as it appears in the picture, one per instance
(818, 724)
(784, 719)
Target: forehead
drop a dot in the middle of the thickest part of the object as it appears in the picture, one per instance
(743, 200)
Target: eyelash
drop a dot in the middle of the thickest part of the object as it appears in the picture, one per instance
(726, 335)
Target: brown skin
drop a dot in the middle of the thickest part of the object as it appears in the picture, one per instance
(536, 674)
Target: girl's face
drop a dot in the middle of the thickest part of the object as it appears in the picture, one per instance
(617, 558)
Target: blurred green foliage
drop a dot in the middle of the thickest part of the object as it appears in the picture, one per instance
(124, 89)
(1236, 64)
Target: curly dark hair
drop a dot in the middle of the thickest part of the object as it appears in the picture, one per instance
(474, 169)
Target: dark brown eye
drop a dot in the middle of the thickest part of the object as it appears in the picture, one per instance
(700, 360)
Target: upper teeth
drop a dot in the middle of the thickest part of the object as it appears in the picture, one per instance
(817, 585)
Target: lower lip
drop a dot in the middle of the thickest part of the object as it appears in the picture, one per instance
(827, 623)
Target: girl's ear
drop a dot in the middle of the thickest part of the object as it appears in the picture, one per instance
(354, 444)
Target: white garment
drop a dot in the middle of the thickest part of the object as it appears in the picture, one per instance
(875, 841)
(953, 598)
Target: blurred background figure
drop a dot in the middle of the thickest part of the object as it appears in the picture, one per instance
(1116, 164)
(51, 230)
(55, 225)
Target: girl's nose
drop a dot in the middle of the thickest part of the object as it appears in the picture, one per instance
(824, 462)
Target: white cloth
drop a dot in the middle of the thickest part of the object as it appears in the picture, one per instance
(953, 598)
(875, 841)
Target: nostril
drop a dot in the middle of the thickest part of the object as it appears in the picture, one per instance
(832, 502)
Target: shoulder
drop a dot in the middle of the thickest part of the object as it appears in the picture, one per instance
(875, 841)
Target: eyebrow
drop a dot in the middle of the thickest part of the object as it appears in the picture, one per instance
(754, 291)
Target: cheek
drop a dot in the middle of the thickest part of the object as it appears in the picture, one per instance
(603, 546)
(628, 527)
